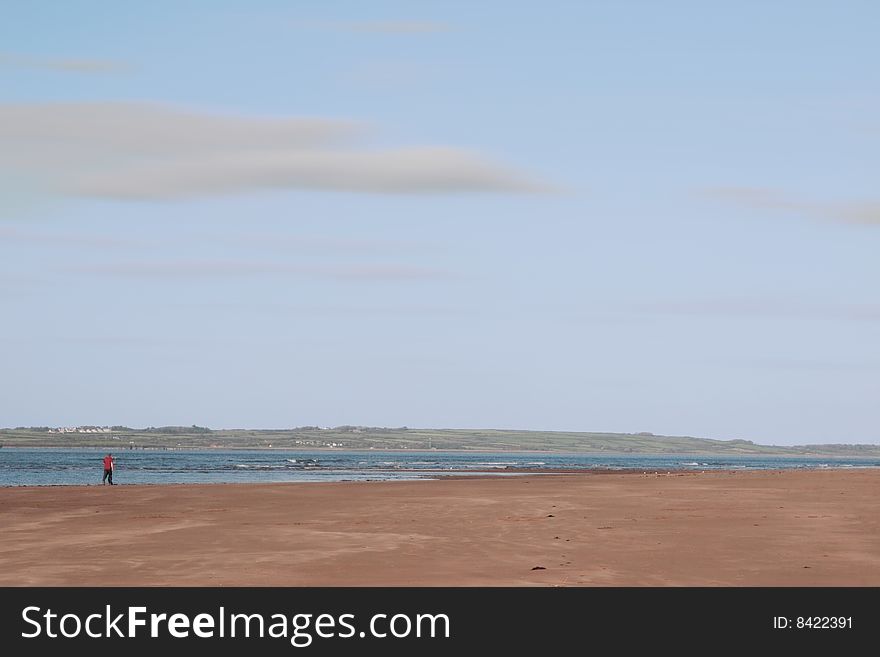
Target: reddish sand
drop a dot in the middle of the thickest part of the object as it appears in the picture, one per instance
(729, 529)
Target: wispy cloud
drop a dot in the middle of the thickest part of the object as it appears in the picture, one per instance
(141, 151)
(381, 27)
(19, 285)
(323, 243)
(814, 365)
(402, 171)
(145, 130)
(282, 244)
(9, 234)
(118, 340)
(233, 268)
(363, 310)
(394, 74)
(61, 65)
(763, 309)
(855, 212)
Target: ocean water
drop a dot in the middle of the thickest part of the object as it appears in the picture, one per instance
(59, 467)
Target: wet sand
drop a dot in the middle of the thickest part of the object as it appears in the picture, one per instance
(815, 528)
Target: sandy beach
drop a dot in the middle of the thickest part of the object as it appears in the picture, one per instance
(791, 528)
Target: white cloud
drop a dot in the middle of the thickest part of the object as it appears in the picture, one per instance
(184, 269)
(140, 130)
(13, 235)
(404, 171)
(398, 27)
(779, 308)
(382, 27)
(142, 151)
(855, 212)
(62, 65)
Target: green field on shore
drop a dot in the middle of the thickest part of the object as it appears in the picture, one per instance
(355, 437)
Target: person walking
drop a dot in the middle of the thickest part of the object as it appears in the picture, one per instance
(109, 466)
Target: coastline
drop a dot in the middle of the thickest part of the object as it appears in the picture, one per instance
(488, 450)
(683, 528)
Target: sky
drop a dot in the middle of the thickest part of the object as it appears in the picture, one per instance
(592, 216)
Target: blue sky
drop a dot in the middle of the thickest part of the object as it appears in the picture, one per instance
(598, 216)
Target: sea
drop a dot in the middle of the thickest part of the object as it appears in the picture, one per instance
(81, 466)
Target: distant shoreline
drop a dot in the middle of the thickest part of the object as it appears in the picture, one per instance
(407, 439)
(260, 448)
